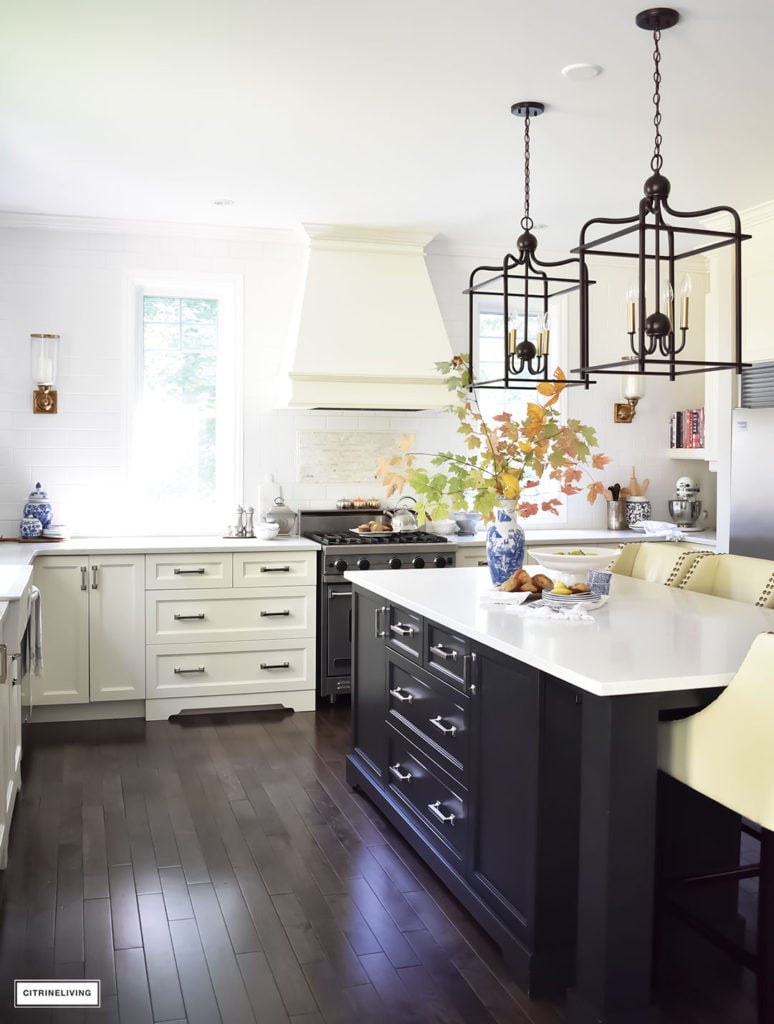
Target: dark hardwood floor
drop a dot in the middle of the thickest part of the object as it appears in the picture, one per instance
(218, 868)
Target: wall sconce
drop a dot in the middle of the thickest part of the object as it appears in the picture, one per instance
(632, 389)
(45, 352)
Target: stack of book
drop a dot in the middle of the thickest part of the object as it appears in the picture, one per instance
(686, 429)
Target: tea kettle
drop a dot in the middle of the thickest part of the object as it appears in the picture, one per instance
(402, 520)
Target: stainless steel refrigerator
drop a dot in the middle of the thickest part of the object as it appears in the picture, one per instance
(752, 483)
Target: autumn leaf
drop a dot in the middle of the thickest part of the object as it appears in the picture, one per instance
(527, 509)
(406, 442)
(599, 461)
(594, 491)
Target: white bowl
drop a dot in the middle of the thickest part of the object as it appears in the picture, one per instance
(441, 527)
(562, 564)
(266, 531)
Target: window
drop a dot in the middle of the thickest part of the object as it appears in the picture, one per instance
(496, 400)
(185, 464)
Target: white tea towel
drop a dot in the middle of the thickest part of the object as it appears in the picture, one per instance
(36, 632)
(667, 531)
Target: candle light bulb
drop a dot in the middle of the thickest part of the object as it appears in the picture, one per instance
(685, 294)
(668, 293)
(632, 295)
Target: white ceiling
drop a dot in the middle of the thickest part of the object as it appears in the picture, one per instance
(377, 112)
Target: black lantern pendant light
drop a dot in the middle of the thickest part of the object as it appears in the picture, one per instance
(656, 337)
(523, 288)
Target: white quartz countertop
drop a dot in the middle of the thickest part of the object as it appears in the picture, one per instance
(23, 554)
(648, 638)
(566, 535)
(13, 579)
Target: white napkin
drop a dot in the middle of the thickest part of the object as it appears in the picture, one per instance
(668, 531)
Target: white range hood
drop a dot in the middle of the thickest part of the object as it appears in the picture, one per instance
(368, 329)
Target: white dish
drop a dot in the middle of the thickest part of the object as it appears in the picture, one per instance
(441, 527)
(375, 533)
(560, 559)
(588, 601)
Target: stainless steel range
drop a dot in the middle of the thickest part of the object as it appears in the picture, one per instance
(346, 550)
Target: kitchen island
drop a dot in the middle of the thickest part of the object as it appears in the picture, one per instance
(518, 756)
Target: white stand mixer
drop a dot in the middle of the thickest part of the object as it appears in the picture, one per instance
(685, 507)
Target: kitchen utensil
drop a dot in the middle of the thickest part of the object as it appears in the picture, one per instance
(401, 518)
(615, 491)
(634, 485)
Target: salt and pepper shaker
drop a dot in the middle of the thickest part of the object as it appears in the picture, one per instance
(244, 522)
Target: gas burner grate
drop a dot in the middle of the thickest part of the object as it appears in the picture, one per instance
(413, 537)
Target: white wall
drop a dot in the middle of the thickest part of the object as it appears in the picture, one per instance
(70, 279)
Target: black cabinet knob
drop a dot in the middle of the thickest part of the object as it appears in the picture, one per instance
(363, 563)
(340, 565)
(395, 563)
(439, 562)
(419, 562)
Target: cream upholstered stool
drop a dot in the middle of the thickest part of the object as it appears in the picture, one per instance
(737, 577)
(726, 752)
(665, 562)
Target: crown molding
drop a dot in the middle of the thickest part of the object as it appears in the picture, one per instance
(167, 229)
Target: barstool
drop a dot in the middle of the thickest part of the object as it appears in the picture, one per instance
(725, 752)
(665, 562)
(737, 577)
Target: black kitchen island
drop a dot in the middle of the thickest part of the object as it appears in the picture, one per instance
(517, 755)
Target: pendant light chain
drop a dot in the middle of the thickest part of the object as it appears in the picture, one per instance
(657, 159)
(526, 221)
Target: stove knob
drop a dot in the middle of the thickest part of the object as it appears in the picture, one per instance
(395, 563)
(439, 562)
(340, 565)
(363, 563)
(418, 562)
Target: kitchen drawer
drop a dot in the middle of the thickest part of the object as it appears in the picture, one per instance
(188, 571)
(289, 568)
(435, 713)
(438, 802)
(448, 654)
(192, 670)
(471, 555)
(203, 616)
(404, 632)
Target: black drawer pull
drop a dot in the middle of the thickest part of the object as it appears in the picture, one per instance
(275, 568)
(188, 572)
(180, 618)
(445, 819)
(268, 615)
(399, 775)
(483, 561)
(402, 630)
(441, 651)
(281, 664)
(404, 698)
(447, 730)
(189, 671)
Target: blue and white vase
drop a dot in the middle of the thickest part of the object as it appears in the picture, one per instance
(504, 543)
(39, 506)
(30, 527)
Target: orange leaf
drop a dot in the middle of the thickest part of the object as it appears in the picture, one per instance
(527, 508)
(599, 461)
(406, 442)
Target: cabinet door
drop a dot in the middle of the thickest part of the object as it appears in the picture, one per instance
(369, 682)
(471, 555)
(63, 585)
(6, 778)
(117, 627)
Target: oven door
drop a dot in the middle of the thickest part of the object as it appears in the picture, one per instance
(336, 639)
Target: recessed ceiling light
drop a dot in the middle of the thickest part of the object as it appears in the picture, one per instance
(581, 72)
(223, 202)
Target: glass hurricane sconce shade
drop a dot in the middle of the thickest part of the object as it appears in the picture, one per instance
(632, 390)
(520, 290)
(657, 238)
(44, 355)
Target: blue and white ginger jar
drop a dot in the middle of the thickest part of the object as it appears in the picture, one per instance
(30, 527)
(504, 543)
(39, 506)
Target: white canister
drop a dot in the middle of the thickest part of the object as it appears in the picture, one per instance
(637, 510)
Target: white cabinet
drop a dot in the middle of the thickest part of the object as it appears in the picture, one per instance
(5, 745)
(230, 631)
(470, 555)
(94, 614)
